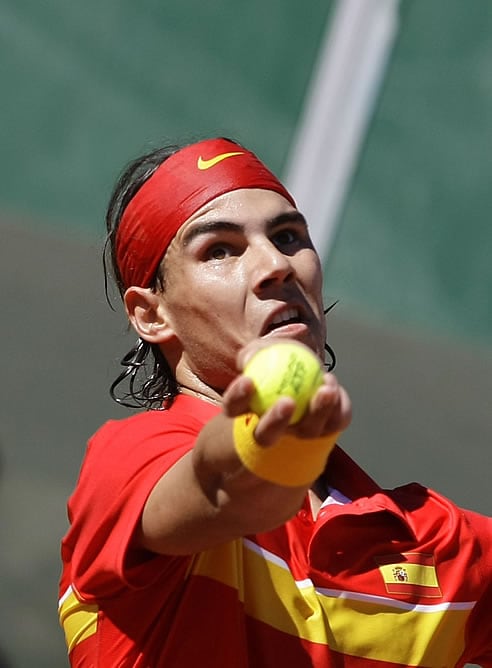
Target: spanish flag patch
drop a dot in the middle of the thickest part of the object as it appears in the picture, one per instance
(410, 574)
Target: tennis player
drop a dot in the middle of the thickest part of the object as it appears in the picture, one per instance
(202, 535)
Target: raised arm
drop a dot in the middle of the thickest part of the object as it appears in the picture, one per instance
(209, 496)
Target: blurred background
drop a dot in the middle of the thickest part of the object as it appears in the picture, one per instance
(378, 113)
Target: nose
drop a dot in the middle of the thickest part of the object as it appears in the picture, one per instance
(269, 266)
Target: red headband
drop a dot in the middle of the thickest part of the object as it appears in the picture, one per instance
(180, 186)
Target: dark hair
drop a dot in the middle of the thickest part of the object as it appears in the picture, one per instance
(147, 375)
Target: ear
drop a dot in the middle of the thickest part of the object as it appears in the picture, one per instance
(146, 312)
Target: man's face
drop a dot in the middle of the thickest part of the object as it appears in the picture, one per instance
(242, 267)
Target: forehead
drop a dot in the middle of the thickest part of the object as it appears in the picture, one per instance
(247, 206)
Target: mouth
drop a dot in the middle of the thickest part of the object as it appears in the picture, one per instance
(287, 316)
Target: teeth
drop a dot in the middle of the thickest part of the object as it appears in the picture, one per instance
(288, 314)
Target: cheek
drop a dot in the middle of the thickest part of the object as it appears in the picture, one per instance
(313, 279)
(197, 311)
(214, 295)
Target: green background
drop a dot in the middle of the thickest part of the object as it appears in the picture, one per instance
(88, 86)
(415, 240)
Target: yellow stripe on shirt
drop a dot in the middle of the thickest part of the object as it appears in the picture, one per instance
(78, 619)
(373, 627)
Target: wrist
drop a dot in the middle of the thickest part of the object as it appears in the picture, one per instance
(291, 461)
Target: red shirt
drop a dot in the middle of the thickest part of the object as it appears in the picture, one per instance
(399, 577)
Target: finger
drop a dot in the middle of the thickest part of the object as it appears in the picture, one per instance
(336, 415)
(329, 411)
(237, 397)
(275, 422)
(323, 404)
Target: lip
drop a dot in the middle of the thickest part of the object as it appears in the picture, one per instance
(287, 329)
(295, 330)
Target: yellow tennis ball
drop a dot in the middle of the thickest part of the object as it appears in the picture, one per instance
(284, 369)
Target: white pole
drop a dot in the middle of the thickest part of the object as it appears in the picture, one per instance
(338, 106)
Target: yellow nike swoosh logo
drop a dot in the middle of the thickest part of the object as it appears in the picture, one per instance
(206, 164)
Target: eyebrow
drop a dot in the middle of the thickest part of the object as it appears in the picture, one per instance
(208, 227)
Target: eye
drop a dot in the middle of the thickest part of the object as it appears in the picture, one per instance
(285, 237)
(218, 252)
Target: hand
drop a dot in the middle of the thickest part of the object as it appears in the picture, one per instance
(329, 411)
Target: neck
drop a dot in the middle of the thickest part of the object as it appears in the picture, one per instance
(208, 395)
(189, 382)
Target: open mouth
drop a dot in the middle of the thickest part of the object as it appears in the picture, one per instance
(288, 316)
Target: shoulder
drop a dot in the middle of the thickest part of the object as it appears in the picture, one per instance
(184, 419)
(121, 449)
(481, 528)
(419, 499)
(125, 459)
(463, 534)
